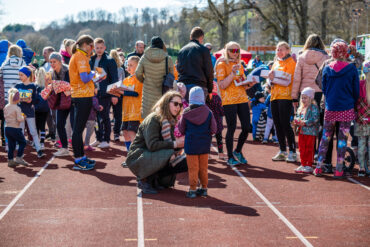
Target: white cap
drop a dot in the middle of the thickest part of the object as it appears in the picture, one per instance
(310, 92)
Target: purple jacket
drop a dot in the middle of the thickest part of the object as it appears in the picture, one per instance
(94, 108)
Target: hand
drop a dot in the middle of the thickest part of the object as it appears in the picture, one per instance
(28, 100)
(271, 75)
(235, 68)
(114, 100)
(101, 107)
(180, 142)
(295, 104)
(67, 93)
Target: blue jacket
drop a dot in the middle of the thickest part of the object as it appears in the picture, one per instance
(41, 104)
(257, 110)
(198, 125)
(341, 89)
(27, 52)
(256, 64)
(110, 67)
(3, 50)
(268, 105)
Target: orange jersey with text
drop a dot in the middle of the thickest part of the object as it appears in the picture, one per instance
(131, 106)
(80, 63)
(279, 91)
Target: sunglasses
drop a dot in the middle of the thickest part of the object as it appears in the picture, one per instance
(175, 103)
(234, 50)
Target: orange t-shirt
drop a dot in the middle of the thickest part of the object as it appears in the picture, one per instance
(80, 63)
(131, 106)
(279, 91)
(232, 94)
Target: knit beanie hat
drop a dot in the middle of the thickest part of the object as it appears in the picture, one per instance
(258, 95)
(196, 96)
(336, 41)
(308, 91)
(339, 50)
(56, 56)
(181, 88)
(157, 42)
(25, 71)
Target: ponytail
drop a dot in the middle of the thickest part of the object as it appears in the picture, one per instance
(83, 39)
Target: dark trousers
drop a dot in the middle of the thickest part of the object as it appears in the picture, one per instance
(51, 121)
(62, 116)
(117, 113)
(82, 107)
(40, 119)
(104, 125)
(14, 136)
(282, 111)
(2, 126)
(231, 112)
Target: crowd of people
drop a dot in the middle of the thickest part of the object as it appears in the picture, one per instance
(168, 112)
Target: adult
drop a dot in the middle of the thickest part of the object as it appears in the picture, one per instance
(28, 54)
(46, 54)
(139, 49)
(256, 62)
(60, 72)
(307, 68)
(281, 101)
(150, 153)
(194, 64)
(150, 71)
(117, 108)
(340, 85)
(66, 51)
(213, 58)
(4, 46)
(102, 60)
(82, 86)
(234, 101)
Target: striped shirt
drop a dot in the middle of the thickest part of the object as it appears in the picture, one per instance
(10, 72)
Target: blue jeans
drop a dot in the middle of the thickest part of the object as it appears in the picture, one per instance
(14, 136)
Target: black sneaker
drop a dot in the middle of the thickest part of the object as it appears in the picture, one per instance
(201, 192)
(116, 138)
(40, 154)
(147, 188)
(327, 168)
(361, 173)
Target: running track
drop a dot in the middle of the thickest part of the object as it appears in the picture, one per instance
(260, 204)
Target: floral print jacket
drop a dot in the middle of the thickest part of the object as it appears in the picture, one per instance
(310, 119)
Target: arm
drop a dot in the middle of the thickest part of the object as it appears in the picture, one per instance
(95, 103)
(313, 117)
(20, 117)
(153, 138)
(130, 93)
(182, 125)
(297, 79)
(86, 77)
(208, 70)
(140, 70)
(213, 125)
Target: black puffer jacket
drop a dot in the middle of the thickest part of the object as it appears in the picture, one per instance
(194, 65)
(110, 67)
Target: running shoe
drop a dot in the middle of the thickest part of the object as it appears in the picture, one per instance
(116, 137)
(90, 161)
(40, 154)
(307, 169)
(280, 156)
(103, 145)
(62, 152)
(317, 172)
(299, 169)
(201, 192)
(327, 168)
(239, 157)
(89, 148)
(20, 161)
(124, 164)
(361, 173)
(191, 194)
(12, 163)
(232, 162)
(339, 175)
(292, 157)
(265, 141)
(82, 165)
(95, 143)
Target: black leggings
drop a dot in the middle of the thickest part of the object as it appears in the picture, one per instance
(40, 118)
(282, 110)
(219, 142)
(82, 108)
(231, 111)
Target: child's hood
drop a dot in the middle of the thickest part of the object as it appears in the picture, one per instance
(15, 61)
(198, 115)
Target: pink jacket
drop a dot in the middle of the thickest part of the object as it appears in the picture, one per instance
(308, 65)
(363, 107)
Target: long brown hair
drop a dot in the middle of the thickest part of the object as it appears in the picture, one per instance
(162, 107)
(83, 39)
(314, 41)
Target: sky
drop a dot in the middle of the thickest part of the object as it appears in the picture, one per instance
(40, 13)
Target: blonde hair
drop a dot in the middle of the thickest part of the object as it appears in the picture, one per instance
(40, 77)
(284, 44)
(227, 46)
(300, 108)
(314, 41)
(11, 94)
(114, 54)
(68, 42)
(162, 107)
(135, 58)
(15, 50)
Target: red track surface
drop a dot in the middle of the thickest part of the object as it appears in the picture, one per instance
(64, 207)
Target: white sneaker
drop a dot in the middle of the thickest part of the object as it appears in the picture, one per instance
(292, 157)
(307, 169)
(62, 152)
(103, 145)
(95, 143)
(280, 156)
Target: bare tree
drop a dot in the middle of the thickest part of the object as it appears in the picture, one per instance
(299, 9)
(37, 41)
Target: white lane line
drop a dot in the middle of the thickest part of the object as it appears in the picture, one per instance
(275, 210)
(140, 219)
(357, 182)
(21, 193)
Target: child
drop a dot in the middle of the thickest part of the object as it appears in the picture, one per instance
(269, 122)
(307, 119)
(258, 105)
(28, 100)
(41, 108)
(215, 104)
(362, 124)
(198, 125)
(13, 132)
(131, 103)
(90, 125)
